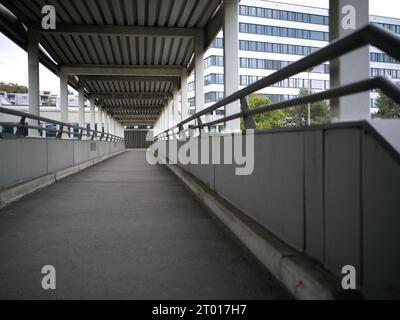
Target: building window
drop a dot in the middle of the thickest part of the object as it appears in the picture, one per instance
(214, 61)
(191, 86)
(214, 78)
(215, 96)
(218, 43)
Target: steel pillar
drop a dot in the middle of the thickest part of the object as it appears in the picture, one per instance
(231, 59)
(345, 17)
(33, 79)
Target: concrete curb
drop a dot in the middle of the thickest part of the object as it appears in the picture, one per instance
(23, 189)
(303, 277)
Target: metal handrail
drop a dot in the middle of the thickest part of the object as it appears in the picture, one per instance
(92, 134)
(369, 35)
(387, 86)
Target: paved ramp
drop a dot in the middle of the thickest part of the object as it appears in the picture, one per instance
(124, 230)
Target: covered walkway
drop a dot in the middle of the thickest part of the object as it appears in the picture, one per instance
(124, 230)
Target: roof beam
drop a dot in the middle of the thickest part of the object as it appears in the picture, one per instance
(128, 107)
(135, 71)
(134, 95)
(111, 30)
(129, 78)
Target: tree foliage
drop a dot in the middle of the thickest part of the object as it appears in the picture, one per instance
(320, 112)
(13, 88)
(388, 109)
(267, 120)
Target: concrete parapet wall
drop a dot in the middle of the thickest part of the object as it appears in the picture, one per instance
(22, 160)
(328, 192)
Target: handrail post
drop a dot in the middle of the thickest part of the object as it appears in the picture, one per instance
(60, 132)
(80, 134)
(248, 120)
(21, 127)
(199, 124)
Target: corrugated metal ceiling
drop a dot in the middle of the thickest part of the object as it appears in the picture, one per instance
(103, 49)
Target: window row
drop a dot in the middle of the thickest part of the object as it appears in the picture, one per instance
(283, 15)
(213, 61)
(283, 32)
(191, 86)
(276, 48)
(383, 57)
(214, 78)
(218, 43)
(213, 96)
(209, 97)
(391, 27)
(253, 63)
(275, 98)
(290, 83)
(388, 73)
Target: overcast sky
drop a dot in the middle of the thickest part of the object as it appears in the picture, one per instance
(13, 60)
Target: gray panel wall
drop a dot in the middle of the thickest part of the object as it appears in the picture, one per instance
(331, 193)
(25, 159)
(314, 197)
(342, 199)
(381, 221)
(136, 139)
(60, 155)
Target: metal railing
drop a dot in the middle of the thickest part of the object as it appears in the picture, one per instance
(373, 35)
(61, 129)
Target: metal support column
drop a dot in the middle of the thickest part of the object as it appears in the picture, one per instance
(231, 59)
(184, 96)
(81, 111)
(63, 96)
(199, 72)
(345, 17)
(92, 114)
(99, 119)
(176, 105)
(33, 79)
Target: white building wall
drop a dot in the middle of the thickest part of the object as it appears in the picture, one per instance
(283, 40)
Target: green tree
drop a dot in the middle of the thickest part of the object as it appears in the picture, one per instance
(320, 112)
(388, 109)
(13, 88)
(266, 120)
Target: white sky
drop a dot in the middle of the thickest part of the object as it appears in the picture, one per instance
(13, 60)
